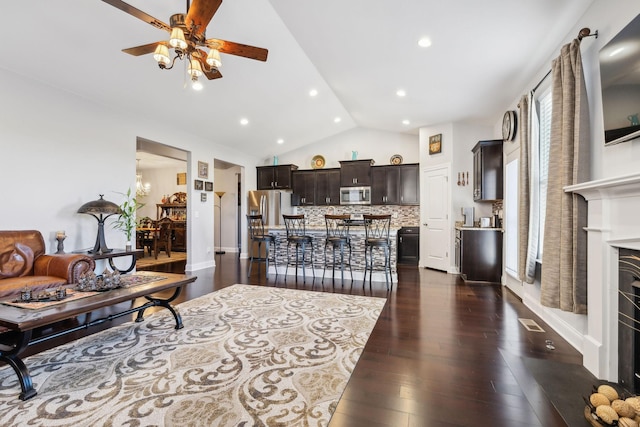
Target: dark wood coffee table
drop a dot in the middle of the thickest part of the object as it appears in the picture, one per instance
(21, 322)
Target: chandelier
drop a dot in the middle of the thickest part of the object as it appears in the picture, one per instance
(141, 189)
(185, 50)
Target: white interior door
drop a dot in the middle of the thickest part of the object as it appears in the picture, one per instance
(436, 230)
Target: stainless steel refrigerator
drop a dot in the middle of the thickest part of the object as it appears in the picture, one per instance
(271, 204)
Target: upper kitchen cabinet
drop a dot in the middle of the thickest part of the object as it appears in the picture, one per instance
(274, 177)
(395, 185)
(355, 173)
(303, 184)
(409, 184)
(487, 171)
(327, 187)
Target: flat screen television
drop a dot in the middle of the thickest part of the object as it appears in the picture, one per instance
(620, 78)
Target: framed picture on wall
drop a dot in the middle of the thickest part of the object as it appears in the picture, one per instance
(435, 144)
(203, 170)
(182, 178)
(197, 184)
(208, 186)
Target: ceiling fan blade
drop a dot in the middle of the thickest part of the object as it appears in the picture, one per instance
(125, 7)
(200, 14)
(238, 49)
(141, 50)
(209, 71)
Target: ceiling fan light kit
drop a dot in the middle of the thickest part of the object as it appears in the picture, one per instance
(187, 35)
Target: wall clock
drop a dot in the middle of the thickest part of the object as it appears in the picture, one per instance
(509, 126)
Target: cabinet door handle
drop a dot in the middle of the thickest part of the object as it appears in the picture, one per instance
(400, 239)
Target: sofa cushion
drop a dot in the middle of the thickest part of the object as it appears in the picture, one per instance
(13, 285)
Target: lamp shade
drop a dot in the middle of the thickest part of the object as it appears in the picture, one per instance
(177, 40)
(161, 55)
(213, 58)
(100, 206)
(100, 209)
(195, 70)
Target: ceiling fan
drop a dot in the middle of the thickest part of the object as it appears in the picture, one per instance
(187, 36)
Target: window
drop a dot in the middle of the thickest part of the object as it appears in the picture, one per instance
(543, 107)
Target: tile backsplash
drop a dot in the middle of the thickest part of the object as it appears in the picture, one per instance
(401, 216)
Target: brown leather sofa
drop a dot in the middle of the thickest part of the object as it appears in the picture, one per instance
(23, 262)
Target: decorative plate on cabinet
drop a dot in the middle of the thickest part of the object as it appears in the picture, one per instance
(317, 162)
(396, 159)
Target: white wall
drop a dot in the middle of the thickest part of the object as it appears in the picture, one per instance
(163, 182)
(370, 144)
(59, 151)
(608, 17)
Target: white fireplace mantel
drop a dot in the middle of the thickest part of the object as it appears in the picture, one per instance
(613, 223)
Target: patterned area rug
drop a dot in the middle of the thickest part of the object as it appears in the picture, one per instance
(247, 356)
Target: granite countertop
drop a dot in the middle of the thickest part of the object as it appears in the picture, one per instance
(480, 228)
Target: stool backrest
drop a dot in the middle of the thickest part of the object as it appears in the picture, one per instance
(295, 225)
(377, 226)
(256, 226)
(337, 225)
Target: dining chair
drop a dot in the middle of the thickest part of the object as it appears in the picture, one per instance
(258, 236)
(377, 228)
(163, 236)
(337, 228)
(297, 236)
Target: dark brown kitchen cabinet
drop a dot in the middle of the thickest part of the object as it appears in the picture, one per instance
(479, 254)
(355, 173)
(385, 185)
(274, 177)
(409, 184)
(303, 184)
(327, 187)
(487, 171)
(395, 185)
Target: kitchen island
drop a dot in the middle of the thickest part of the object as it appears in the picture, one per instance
(319, 234)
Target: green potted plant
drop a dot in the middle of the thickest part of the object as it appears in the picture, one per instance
(126, 221)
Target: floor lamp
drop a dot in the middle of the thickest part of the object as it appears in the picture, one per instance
(220, 194)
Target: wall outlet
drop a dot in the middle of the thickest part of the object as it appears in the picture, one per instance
(395, 215)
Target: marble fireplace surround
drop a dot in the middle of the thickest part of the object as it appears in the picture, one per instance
(613, 223)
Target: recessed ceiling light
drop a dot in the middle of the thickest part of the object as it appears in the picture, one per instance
(424, 42)
(281, 141)
(337, 120)
(313, 92)
(406, 122)
(244, 122)
(401, 92)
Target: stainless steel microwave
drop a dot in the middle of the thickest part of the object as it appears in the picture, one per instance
(355, 195)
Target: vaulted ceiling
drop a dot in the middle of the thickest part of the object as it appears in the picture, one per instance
(356, 53)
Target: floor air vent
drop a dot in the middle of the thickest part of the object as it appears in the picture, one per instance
(531, 325)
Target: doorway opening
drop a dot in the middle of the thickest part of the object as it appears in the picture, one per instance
(162, 220)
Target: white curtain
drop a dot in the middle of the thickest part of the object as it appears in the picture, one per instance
(528, 210)
(564, 263)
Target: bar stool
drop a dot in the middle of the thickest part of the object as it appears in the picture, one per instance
(257, 235)
(297, 236)
(338, 237)
(376, 230)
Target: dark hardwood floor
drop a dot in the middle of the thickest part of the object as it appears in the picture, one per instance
(443, 353)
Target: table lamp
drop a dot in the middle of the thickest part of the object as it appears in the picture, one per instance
(100, 209)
